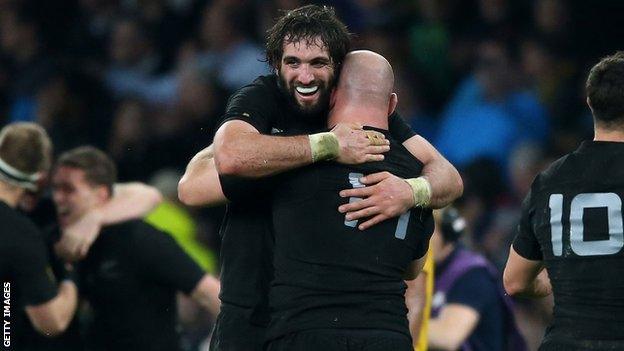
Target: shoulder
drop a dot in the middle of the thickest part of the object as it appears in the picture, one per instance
(554, 172)
(20, 226)
(262, 87)
(400, 162)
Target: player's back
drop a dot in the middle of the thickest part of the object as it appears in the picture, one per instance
(130, 278)
(328, 273)
(576, 214)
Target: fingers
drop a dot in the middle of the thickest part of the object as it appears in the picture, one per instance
(373, 221)
(373, 158)
(376, 138)
(357, 192)
(355, 206)
(377, 149)
(374, 178)
(363, 213)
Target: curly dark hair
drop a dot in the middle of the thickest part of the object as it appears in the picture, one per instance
(605, 88)
(307, 23)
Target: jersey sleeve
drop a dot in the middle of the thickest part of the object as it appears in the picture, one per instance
(250, 104)
(399, 129)
(33, 273)
(238, 189)
(163, 260)
(426, 226)
(475, 289)
(525, 243)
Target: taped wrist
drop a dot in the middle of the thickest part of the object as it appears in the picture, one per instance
(421, 190)
(324, 146)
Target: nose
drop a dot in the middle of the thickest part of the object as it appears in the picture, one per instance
(305, 75)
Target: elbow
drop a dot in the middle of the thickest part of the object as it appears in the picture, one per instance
(512, 286)
(185, 195)
(459, 185)
(227, 164)
(52, 327)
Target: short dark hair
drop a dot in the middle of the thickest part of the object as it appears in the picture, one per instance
(99, 169)
(605, 88)
(307, 23)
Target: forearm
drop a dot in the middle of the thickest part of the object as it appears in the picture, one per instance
(452, 326)
(438, 336)
(256, 155)
(66, 303)
(53, 317)
(200, 183)
(207, 294)
(444, 179)
(129, 201)
(415, 300)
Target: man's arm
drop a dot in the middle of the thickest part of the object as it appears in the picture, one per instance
(416, 296)
(200, 183)
(387, 196)
(241, 150)
(452, 326)
(129, 201)
(444, 179)
(52, 318)
(206, 293)
(524, 277)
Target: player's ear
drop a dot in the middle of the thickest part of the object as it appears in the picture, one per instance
(332, 98)
(103, 193)
(589, 104)
(394, 100)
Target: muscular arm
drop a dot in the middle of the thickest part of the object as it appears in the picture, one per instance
(415, 300)
(387, 196)
(129, 201)
(446, 183)
(241, 150)
(200, 183)
(526, 278)
(53, 317)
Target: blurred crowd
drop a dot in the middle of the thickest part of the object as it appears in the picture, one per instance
(495, 85)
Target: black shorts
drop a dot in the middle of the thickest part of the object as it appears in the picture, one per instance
(234, 332)
(342, 340)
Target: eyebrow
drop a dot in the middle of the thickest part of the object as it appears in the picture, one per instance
(314, 59)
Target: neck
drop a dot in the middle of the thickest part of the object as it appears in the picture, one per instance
(377, 118)
(10, 194)
(604, 134)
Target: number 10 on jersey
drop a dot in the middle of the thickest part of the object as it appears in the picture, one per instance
(578, 244)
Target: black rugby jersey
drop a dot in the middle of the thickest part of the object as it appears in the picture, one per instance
(572, 220)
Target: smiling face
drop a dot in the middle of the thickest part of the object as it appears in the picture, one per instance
(73, 195)
(306, 74)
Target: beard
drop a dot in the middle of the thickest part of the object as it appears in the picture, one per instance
(319, 109)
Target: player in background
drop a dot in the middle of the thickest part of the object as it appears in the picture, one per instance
(570, 238)
(132, 271)
(25, 155)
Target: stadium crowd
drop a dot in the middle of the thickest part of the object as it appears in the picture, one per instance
(495, 85)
